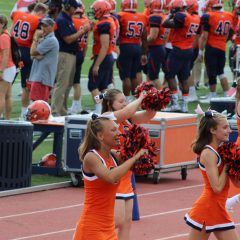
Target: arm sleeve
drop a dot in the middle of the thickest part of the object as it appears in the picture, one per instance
(179, 19)
(205, 22)
(104, 28)
(155, 21)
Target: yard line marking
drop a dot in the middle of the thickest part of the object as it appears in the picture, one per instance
(81, 204)
(41, 211)
(165, 213)
(44, 234)
(169, 190)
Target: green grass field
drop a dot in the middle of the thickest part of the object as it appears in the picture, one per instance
(46, 146)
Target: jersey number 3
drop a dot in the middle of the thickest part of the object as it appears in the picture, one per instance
(135, 29)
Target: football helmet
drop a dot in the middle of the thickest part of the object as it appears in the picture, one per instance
(215, 3)
(38, 110)
(99, 9)
(192, 6)
(177, 5)
(81, 9)
(48, 160)
(113, 5)
(146, 3)
(237, 7)
(157, 6)
(129, 5)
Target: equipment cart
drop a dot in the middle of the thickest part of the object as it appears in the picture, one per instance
(74, 131)
(173, 134)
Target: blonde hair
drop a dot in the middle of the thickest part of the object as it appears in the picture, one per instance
(90, 140)
(108, 99)
(204, 131)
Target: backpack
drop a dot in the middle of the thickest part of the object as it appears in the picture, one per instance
(16, 53)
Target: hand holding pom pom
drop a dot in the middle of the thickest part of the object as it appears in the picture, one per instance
(155, 99)
(138, 143)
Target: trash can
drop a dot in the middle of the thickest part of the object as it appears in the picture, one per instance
(15, 154)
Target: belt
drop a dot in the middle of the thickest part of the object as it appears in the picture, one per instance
(70, 52)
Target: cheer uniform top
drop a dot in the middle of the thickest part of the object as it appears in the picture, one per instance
(238, 126)
(97, 219)
(209, 210)
(125, 190)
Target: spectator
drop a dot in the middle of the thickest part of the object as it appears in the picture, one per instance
(44, 51)
(7, 69)
(68, 37)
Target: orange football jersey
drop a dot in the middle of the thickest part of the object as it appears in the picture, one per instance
(217, 24)
(104, 26)
(183, 38)
(24, 27)
(155, 20)
(132, 26)
(79, 24)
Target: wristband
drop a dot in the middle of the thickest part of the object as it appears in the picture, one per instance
(200, 52)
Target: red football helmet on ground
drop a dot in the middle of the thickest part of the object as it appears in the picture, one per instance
(38, 110)
(48, 160)
(157, 6)
(177, 5)
(100, 8)
(192, 6)
(129, 5)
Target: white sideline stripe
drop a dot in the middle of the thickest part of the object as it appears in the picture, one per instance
(44, 234)
(181, 235)
(81, 204)
(169, 190)
(41, 211)
(165, 213)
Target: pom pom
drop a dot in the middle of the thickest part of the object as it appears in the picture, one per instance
(230, 154)
(155, 99)
(135, 138)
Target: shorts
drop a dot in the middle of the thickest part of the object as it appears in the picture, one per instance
(179, 63)
(79, 62)
(27, 61)
(9, 74)
(156, 57)
(39, 92)
(104, 77)
(129, 60)
(215, 61)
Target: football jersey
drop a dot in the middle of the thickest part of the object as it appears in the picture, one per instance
(104, 26)
(155, 21)
(79, 24)
(218, 25)
(183, 37)
(24, 27)
(146, 11)
(132, 26)
(116, 30)
(236, 29)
